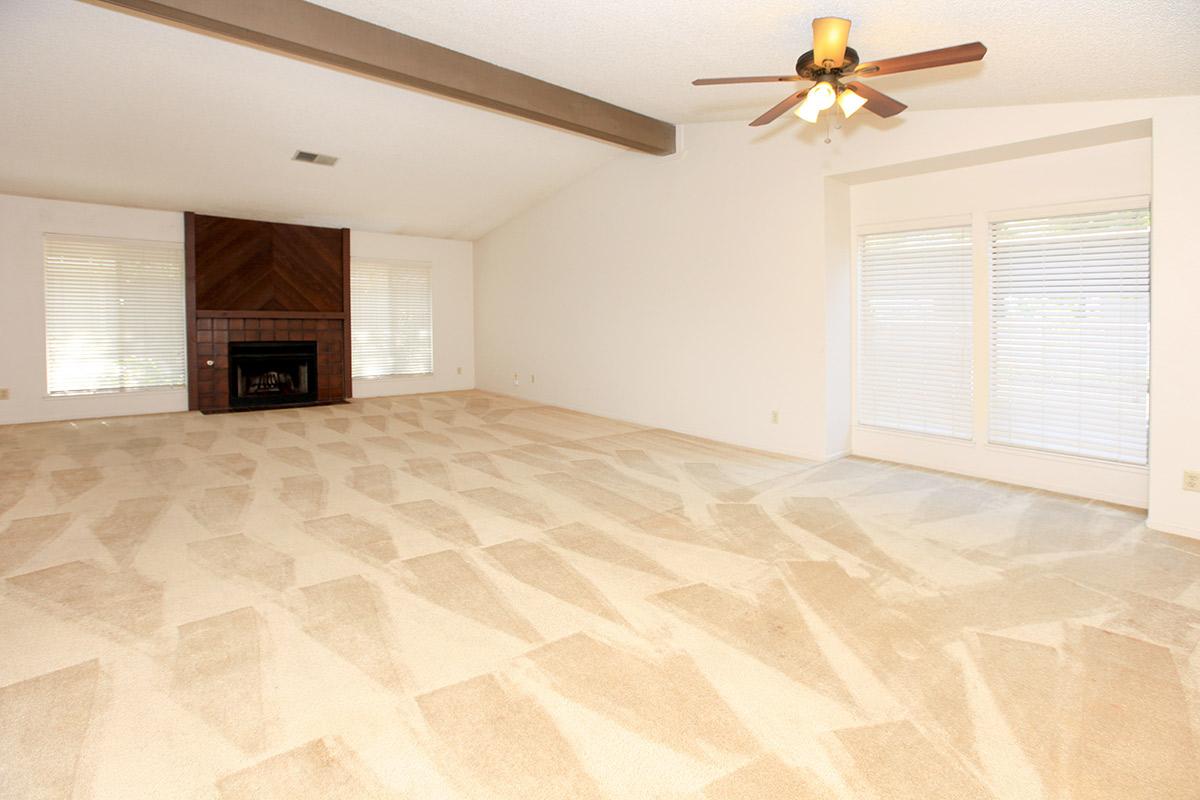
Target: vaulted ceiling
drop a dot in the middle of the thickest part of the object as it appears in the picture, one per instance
(107, 107)
(643, 55)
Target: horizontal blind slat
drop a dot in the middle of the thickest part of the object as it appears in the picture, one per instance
(392, 318)
(114, 314)
(914, 321)
(1070, 334)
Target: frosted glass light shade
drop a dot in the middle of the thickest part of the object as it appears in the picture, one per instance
(830, 35)
(822, 96)
(807, 112)
(850, 101)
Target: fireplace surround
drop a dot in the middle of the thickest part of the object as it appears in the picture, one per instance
(272, 373)
(265, 283)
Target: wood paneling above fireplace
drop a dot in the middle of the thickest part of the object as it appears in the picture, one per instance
(265, 281)
(242, 265)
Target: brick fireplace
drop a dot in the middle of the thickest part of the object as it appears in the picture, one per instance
(259, 282)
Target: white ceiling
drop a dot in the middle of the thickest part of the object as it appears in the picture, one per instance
(643, 54)
(106, 107)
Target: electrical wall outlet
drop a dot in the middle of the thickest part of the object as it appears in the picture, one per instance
(3, 394)
(516, 379)
(532, 378)
(1191, 480)
(774, 417)
(460, 370)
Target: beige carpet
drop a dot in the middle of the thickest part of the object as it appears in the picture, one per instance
(467, 596)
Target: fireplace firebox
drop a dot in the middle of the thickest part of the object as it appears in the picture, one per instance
(272, 373)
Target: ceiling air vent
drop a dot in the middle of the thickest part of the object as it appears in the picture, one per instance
(314, 158)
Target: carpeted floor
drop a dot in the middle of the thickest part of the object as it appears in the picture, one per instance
(468, 596)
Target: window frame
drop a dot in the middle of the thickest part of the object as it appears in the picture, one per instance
(1098, 206)
(980, 219)
(902, 226)
(174, 245)
(428, 267)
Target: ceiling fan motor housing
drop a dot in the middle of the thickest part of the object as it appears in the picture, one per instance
(808, 69)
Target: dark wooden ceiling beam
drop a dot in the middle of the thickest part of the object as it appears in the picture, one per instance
(317, 34)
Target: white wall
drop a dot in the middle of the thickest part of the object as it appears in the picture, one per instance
(23, 220)
(698, 292)
(1118, 169)
(453, 311)
(667, 291)
(1174, 321)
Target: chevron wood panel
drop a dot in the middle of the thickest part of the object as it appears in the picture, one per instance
(233, 264)
(307, 267)
(244, 265)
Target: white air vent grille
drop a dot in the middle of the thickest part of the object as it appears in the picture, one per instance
(314, 158)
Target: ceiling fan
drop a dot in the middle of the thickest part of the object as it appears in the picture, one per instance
(835, 69)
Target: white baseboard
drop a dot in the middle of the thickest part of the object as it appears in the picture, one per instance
(1190, 531)
(761, 448)
(1110, 483)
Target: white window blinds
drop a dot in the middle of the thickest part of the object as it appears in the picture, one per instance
(114, 314)
(391, 305)
(914, 331)
(1070, 334)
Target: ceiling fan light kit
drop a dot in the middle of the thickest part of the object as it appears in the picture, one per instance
(835, 70)
(850, 101)
(822, 96)
(808, 112)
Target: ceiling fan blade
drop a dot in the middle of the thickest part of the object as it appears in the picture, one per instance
(877, 102)
(830, 35)
(750, 79)
(930, 58)
(788, 103)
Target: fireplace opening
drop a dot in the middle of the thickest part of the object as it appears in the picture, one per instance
(272, 373)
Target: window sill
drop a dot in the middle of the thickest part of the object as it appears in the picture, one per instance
(401, 376)
(928, 437)
(1067, 458)
(114, 392)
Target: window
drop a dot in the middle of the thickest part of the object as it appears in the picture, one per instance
(914, 331)
(391, 305)
(1070, 334)
(114, 314)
